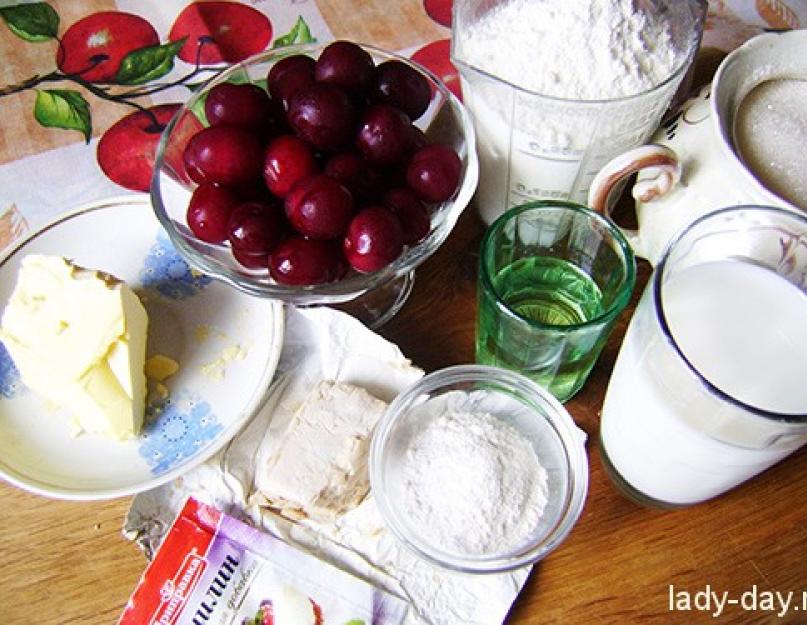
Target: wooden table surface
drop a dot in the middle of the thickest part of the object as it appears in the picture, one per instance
(66, 562)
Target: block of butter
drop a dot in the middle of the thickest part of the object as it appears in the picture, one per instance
(78, 338)
(319, 468)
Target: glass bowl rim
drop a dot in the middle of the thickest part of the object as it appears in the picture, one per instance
(568, 436)
(354, 285)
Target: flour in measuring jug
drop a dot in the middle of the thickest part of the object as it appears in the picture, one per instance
(558, 88)
(600, 49)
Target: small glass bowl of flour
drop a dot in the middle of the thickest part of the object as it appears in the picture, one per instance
(478, 469)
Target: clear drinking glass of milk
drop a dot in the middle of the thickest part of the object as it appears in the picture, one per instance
(558, 88)
(708, 389)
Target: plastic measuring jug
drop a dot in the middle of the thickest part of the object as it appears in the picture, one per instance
(534, 146)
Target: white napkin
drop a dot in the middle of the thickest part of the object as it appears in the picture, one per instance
(323, 343)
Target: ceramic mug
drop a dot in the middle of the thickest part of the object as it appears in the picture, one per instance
(693, 167)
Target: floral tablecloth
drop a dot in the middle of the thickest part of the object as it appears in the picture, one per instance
(86, 85)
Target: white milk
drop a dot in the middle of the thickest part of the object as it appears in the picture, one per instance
(745, 329)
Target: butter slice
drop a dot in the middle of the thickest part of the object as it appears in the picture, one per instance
(160, 367)
(78, 338)
(319, 468)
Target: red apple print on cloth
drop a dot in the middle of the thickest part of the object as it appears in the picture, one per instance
(439, 11)
(229, 32)
(184, 131)
(317, 613)
(95, 45)
(127, 150)
(435, 56)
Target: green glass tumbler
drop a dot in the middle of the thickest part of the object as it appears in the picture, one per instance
(553, 278)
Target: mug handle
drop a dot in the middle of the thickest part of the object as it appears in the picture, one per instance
(659, 161)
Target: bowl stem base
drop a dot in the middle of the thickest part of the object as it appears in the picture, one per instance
(377, 306)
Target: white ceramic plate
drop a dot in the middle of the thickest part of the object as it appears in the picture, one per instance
(198, 322)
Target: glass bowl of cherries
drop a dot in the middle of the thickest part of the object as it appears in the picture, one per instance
(317, 174)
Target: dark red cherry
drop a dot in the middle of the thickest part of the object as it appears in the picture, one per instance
(434, 172)
(365, 183)
(319, 207)
(251, 261)
(246, 105)
(288, 75)
(384, 135)
(346, 167)
(345, 65)
(400, 85)
(209, 212)
(410, 211)
(323, 115)
(299, 261)
(254, 191)
(287, 160)
(373, 240)
(226, 155)
(417, 139)
(255, 228)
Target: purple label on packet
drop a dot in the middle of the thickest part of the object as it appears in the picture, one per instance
(212, 568)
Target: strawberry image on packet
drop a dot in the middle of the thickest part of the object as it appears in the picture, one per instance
(212, 568)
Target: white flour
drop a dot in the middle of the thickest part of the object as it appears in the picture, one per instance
(600, 49)
(590, 54)
(473, 485)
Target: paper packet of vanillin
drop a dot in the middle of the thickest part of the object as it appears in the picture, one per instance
(212, 568)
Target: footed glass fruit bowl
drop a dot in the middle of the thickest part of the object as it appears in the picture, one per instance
(317, 174)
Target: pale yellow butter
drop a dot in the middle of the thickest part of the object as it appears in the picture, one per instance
(78, 338)
(217, 369)
(160, 367)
